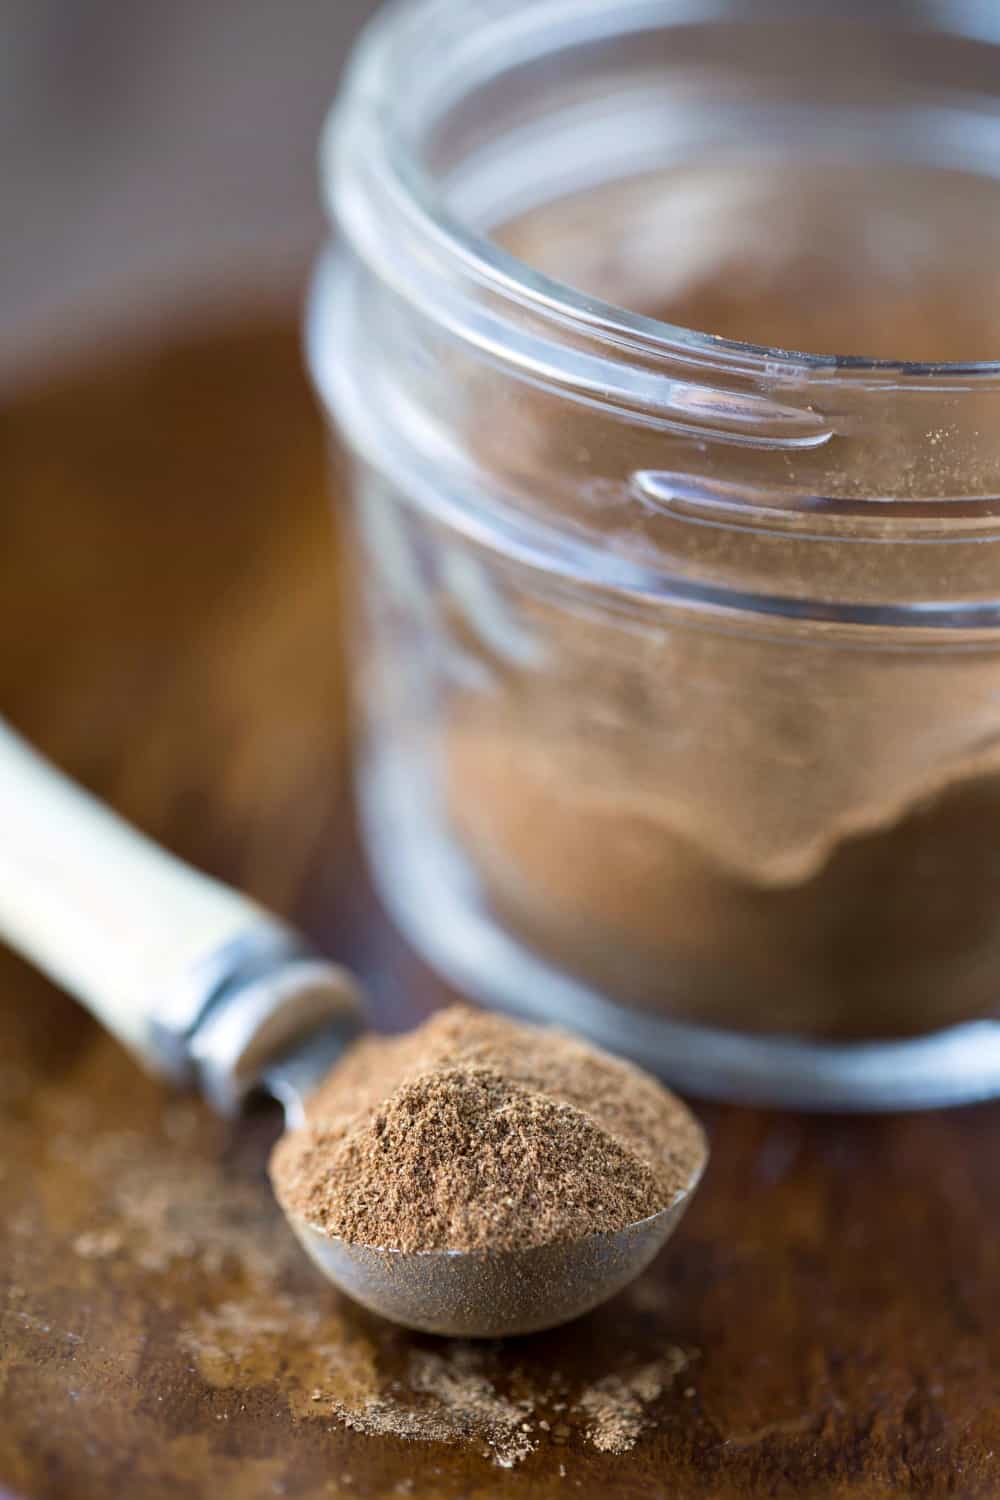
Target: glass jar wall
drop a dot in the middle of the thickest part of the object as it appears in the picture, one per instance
(660, 333)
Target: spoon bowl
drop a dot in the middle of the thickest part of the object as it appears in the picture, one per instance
(492, 1294)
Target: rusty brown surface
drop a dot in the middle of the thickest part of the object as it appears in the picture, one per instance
(167, 599)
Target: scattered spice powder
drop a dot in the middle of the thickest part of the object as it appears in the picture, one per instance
(477, 1133)
(446, 1398)
(97, 1244)
(616, 1405)
(453, 1397)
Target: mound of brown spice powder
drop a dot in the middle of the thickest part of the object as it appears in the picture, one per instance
(476, 1133)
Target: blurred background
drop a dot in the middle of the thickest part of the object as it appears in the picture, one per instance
(157, 163)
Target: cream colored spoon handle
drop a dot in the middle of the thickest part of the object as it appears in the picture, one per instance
(146, 943)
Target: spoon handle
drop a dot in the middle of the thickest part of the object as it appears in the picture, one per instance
(155, 950)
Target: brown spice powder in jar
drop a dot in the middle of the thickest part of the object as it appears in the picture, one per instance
(893, 932)
(475, 1133)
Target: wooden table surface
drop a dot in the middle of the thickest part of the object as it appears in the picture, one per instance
(169, 614)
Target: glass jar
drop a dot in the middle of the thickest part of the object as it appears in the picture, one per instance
(679, 662)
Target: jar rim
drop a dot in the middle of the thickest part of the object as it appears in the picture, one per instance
(365, 153)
